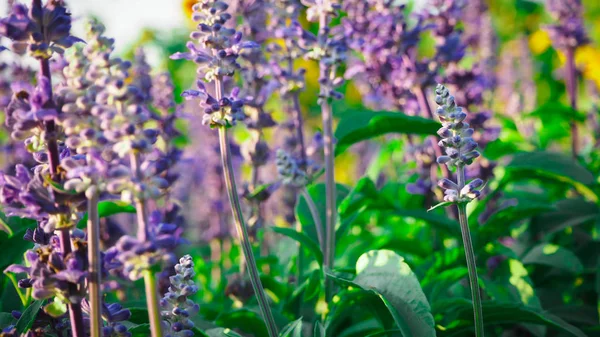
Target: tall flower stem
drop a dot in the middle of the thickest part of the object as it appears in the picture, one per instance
(142, 234)
(314, 212)
(75, 311)
(94, 282)
(330, 193)
(151, 285)
(571, 83)
(470, 256)
(240, 224)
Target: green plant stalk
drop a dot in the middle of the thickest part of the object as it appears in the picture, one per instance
(240, 224)
(149, 278)
(314, 211)
(94, 282)
(150, 283)
(571, 83)
(330, 193)
(470, 256)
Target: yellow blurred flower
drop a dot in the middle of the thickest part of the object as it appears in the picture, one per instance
(187, 9)
(539, 42)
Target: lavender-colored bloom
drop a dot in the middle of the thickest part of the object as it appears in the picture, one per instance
(176, 305)
(162, 92)
(459, 145)
(569, 31)
(39, 30)
(289, 170)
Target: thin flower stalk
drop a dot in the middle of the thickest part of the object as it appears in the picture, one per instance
(240, 224)
(571, 83)
(150, 281)
(95, 281)
(460, 152)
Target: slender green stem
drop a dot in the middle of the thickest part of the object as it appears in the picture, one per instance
(151, 286)
(327, 72)
(470, 256)
(571, 83)
(94, 282)
(300, 257)
(314, 211)
(240, 224)
(149, 278)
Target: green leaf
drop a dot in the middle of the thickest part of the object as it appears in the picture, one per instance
(441, 204)
(552, 166)
(303, 239)
(142, 330)
(319, 330)
(496, 313)
(6, 319)
(437, 220)
(554, 256)
(569, 212)
(222, 332)
(108, 208)
(56, 308)
(28, 317)
(294, 329)
(385, 274)
(314, 285)
(139, 315)
(362, 125)
(247, 321)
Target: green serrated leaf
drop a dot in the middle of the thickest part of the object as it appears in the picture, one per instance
(361, 125)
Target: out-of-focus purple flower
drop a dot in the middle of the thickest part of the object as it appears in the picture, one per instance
(176, 306)
(50, 274)
(40, 30)
(113, 314)
(289, 170)
(424, 156)
(140, 73)
(569, 31)
(162, 92)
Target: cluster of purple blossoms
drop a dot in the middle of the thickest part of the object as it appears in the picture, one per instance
(459, 144)
(39, 30)
(176, 305)
(569, 31)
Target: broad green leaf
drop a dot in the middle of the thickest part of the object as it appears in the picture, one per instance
(362, 125)
(554, 256)
(314, 285)
(245, 320)
(56, 308)
(6, 319)
(552, 166)
(142, 330)
(108, 208)
(436, 220)
(28, 317)
(294, 329)
(385, 274)
(139, 315)
(317, 193)
(495, 314)
(569, 212)
(222, 332)
(303, 239)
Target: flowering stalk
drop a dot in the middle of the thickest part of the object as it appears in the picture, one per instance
(460, 152)
(94, 281)
(150, 282)
(571, 83)
(240, 225)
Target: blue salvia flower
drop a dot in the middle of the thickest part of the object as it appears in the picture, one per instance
(289, 170)
(569, 31)
(41, 31)
(177, 307)
(459, 145)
